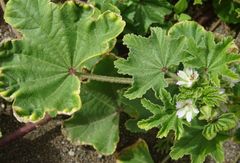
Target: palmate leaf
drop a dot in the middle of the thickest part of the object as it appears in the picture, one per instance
(213, 57)
(164, 117)
(193, 143)
(137, 152)
(37, 72)
(149, 60)
(225, 122)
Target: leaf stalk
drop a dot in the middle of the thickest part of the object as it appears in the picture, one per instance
(102, 78)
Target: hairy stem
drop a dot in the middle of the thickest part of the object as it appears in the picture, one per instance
(23, 131)
(111, 79)
(108, 79)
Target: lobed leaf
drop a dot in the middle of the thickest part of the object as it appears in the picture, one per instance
(211, 56)
(149, 60)
(225, 122)
(193, 143)
(164, 117)
(38, 71)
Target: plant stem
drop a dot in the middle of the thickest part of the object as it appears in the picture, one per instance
(2, 3)
(119, 80)
(23, 131)
(215, 25)
(108, 79)
(166, 159)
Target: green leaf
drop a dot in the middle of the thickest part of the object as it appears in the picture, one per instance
(196, 2)
(38, 74)
(204, 95)
(227, 11)
(193, 143)
(135, 110)
(137, 152)
(181, 6)
(214, 58)
(183, 17)
(207, 113)
(190, 30)
(149, 59)
(225, 122)
(97, 123)
(164, 117)
(141, 14)
(211, 56)
(105, 5)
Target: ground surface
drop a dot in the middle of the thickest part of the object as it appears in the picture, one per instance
(48, 145)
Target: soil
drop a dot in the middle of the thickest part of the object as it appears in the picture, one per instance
(48, 145)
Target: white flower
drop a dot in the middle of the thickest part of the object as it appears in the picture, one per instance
(186, 109)
(187, 77)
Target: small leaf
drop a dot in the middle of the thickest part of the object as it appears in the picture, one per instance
(207, 113)
(164, 117)
(136, 153)
(38, 74)
(154, 120)
(225, 122)
(181, 6)
(149, 59)
(204, 95)
(197, 2)
(227, 10)
(141, 14)
(193, 143)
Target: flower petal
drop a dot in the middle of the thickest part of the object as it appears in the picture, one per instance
(183, 75)
(181, 113)
(189, 116)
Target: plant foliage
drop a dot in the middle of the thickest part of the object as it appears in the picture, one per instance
(181, 78)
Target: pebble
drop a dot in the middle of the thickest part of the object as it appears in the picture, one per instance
(71, 153)
(2, 105)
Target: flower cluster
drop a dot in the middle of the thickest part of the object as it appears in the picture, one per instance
(187, 109)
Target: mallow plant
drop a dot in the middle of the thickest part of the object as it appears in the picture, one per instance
(182, 81)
